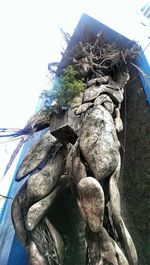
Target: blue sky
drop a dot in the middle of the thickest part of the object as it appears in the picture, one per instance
(30, 39)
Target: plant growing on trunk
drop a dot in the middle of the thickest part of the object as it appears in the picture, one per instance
(64, 90)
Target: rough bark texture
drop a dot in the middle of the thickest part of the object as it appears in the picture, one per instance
(67, 219)
(99, 143)
(87, 155)
(37, 155)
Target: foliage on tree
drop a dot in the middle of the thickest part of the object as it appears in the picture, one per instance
(65, 89)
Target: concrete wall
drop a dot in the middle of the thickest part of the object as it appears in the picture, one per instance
(135, 179)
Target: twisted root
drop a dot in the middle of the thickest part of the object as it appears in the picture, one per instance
(126, 240)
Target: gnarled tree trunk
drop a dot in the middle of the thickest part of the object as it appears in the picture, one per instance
(83, 156)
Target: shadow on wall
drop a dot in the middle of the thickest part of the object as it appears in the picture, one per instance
(134, 183)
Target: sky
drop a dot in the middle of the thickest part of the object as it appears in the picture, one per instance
(30, 38)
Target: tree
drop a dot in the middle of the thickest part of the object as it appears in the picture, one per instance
(91, 165)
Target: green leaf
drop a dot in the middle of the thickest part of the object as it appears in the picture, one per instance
(65, 89)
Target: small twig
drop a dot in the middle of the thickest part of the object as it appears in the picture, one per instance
(6, 197)
(141, 71)
(123, 57)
